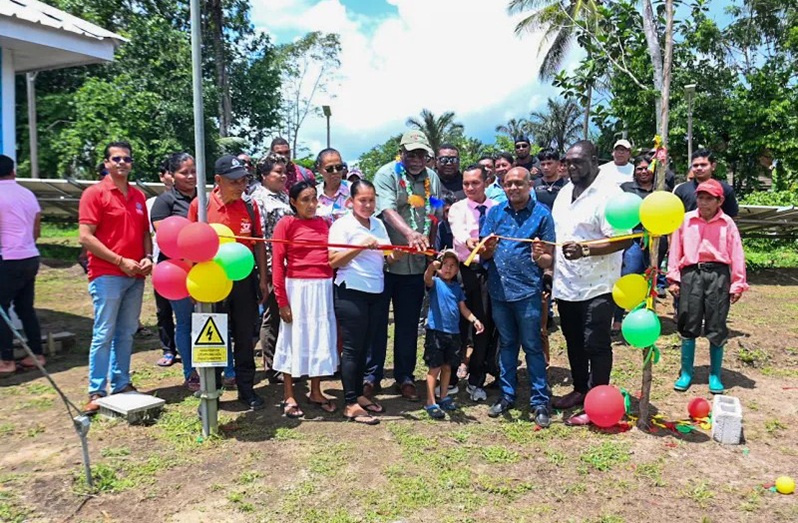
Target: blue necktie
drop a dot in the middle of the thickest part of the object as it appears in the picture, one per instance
(482, 210)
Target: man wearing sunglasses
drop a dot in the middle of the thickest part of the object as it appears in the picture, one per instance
(448, 167)
(114, 228)
(407, 224)
(523, 155)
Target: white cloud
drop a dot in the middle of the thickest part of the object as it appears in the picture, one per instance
(458, 55)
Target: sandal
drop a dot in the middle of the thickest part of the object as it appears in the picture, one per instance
(291, 410)
(373, 407)
(447, 403)
(326, 405)
(167, 360)
(434, 411)
(365, 419)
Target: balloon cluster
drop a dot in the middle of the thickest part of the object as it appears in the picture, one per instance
(660, 213)
(205, 260)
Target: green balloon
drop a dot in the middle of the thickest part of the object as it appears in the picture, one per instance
(623, 211)
(641, 328)
(236, 259)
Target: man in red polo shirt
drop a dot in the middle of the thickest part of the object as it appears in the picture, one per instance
(114, 228)
(226, 206)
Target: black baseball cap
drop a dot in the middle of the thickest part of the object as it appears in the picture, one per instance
(522, 138)
(230, 167)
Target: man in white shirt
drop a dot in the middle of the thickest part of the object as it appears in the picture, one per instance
(584, 274)
(620, 169)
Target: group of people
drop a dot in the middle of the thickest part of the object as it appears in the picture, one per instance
(483, 250)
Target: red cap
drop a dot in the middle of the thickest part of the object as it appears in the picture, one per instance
(712, 187)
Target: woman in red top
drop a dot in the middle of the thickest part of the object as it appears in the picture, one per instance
(303, 286)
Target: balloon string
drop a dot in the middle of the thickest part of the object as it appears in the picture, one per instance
(405, 248)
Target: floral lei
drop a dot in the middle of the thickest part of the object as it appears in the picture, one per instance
(416, 201)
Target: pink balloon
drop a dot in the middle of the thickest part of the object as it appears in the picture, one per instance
(604, 405)
(198, 242)
(167, 233)
(169, 279)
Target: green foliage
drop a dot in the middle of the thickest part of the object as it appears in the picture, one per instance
(438, 129)
(379, 155)
(559, 124)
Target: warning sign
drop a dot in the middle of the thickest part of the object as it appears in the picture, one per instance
(209, 339)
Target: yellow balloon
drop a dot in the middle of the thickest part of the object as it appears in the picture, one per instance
(630, 291)
(208, 283)
(661, 213)
(785, 485)
(223, 231)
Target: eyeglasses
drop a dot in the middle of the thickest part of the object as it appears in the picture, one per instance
(521, 145)
(120, 159)
(335, 168)
(448, 160)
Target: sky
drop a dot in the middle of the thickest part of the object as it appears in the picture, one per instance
(401, 56)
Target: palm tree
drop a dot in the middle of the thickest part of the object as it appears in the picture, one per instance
(514, 127)
(438, 129)
(558, 125)
(557, 20)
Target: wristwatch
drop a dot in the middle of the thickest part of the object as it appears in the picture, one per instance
(585, 250)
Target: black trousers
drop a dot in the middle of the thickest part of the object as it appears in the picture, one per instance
(358, 315)
(704, 302)
(483, 359)
(166, 323)
(269, 327)
(242, 309)
(586, 326)
(17, 282)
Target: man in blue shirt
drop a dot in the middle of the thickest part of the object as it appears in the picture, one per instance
(515, 271)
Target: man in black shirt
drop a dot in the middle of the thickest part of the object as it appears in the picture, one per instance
(704, 165)
(549, 183)
(448, 168)
(523, 158)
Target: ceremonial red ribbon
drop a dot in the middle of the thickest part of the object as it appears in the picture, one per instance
(405, 248)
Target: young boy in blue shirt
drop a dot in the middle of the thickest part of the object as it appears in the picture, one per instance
(442, 347)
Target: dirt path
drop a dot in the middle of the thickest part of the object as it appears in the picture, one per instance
(469, 468)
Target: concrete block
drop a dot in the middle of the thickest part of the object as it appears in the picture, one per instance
(135, 407)
(727, 420)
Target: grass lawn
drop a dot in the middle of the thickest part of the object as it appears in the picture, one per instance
(264, 467)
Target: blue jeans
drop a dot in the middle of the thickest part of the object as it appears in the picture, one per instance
(183, 309)
(519, 324)
(407, 293)
(117, 306)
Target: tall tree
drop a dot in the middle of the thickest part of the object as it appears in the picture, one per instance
(308, 68)
(514, 127)
(558, 125)
(438, 129)
(216, 26)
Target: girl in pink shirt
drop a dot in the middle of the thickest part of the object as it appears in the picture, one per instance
(303, 286)
(706, 270)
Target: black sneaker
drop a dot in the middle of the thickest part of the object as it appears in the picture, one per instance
(542, 417)
(252, 401)
(499, 408)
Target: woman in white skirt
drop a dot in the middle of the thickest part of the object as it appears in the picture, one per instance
(303, 286)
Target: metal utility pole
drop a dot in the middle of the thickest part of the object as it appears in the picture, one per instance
(208, 392)
(689, 94)
(33, 131)
(327, 113)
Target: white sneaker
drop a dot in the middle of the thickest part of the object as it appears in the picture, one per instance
(477, 393)
(452, 390)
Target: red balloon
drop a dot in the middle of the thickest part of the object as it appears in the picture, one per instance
(169, 279)
(604, 405)
(699, 408)
(167, 232)
(198, 242)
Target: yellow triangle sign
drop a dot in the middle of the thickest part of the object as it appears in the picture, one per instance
(209, 335)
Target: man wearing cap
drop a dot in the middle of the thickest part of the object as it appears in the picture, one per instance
(448, 168)
(620, 169)
(226, 206)
(404, 190)
(706, 267)
(584, 274)
(515, 285)
(703, 165)
(523, 156)
(114, 228)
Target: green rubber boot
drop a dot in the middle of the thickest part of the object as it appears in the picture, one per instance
(688, 356)
(715, 367)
